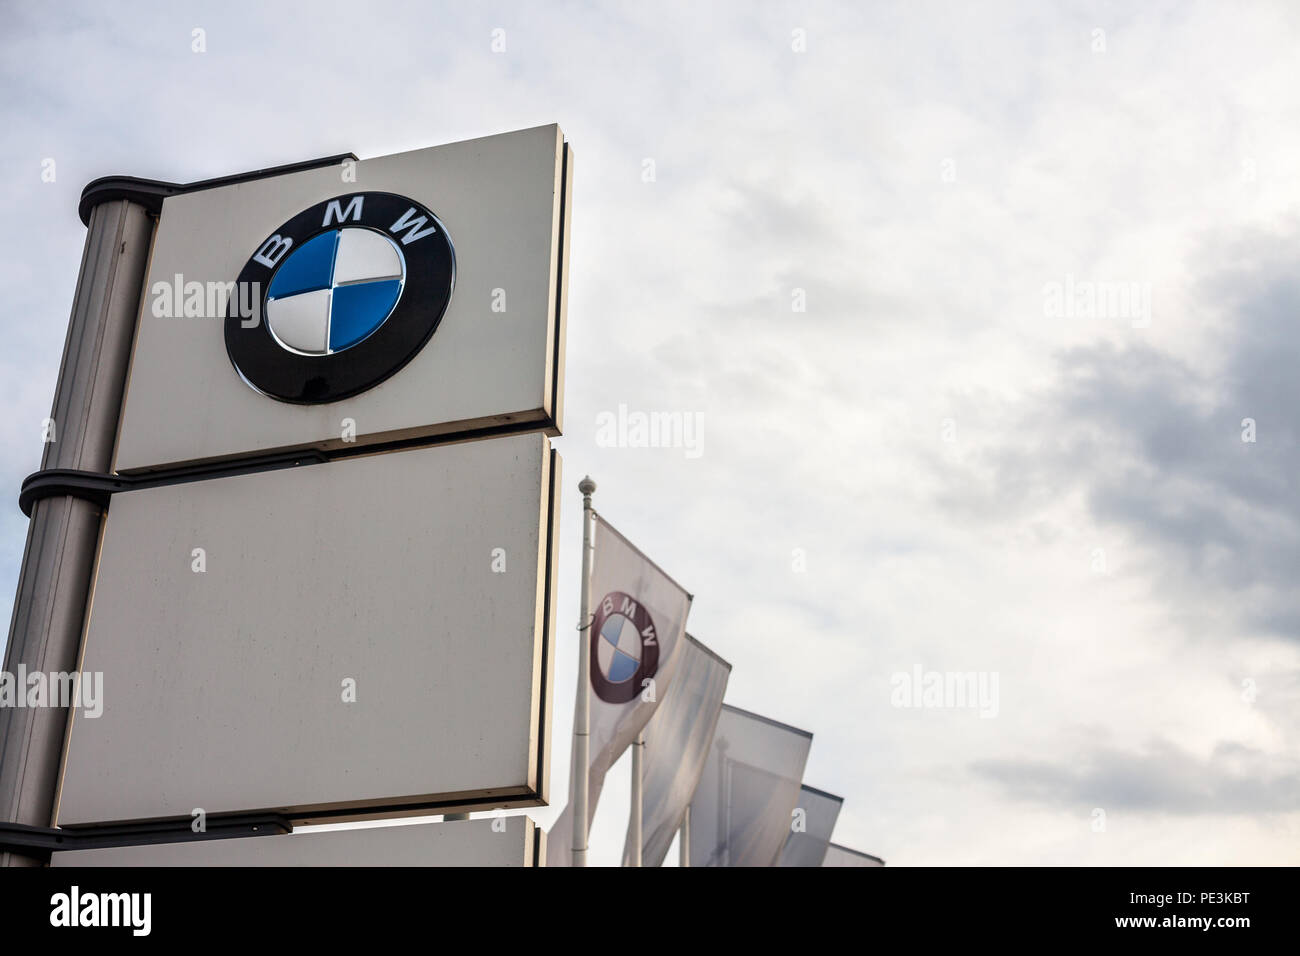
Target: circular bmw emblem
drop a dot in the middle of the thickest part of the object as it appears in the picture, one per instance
(624, 648)
(347, 291)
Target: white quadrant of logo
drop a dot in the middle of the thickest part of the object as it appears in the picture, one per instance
(335, 290)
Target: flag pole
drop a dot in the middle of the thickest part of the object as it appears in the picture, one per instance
(684, 839)
(582, 711)
(638, 748)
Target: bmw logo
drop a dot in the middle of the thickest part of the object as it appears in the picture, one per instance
(624, 648)
(349, 291)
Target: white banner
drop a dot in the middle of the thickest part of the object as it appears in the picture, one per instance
(837, 855)
(811, 827)
(742, 808)
(677, 742)
(638, 625)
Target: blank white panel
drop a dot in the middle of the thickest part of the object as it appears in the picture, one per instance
(224, 690)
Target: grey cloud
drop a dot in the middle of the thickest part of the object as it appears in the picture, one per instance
(1130, 429)
(1162, 778)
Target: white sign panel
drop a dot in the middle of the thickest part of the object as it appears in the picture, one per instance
(365, 636)
(385, 300)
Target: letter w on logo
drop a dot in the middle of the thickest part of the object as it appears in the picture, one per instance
(412, 223)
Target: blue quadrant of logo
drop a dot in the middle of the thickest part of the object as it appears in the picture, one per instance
(359, 309)
(308, 268)
(611, 628)
(622, 667)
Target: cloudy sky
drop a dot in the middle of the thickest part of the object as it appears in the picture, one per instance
(839, 238)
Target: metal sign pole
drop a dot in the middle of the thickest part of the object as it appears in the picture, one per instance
(582, 712)
(54, 584)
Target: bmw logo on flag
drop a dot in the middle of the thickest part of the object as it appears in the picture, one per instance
(349, 291)
(624, 648)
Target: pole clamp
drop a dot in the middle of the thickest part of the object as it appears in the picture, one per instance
(150, 193)
(99, 488)
(40, 842)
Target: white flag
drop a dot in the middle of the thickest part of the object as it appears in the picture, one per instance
(837, 855)
(637, 628)
(676, 743)
(743, 806)
(811, 829)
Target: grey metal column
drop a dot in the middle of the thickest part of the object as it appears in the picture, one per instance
(62, 537)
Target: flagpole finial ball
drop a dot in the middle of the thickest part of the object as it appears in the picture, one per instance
(587, 486)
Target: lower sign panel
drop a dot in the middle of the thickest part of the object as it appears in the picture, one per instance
(505, 841)
(360, 638)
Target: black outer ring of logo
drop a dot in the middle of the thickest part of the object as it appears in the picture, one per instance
(624, 691)
(315, 379)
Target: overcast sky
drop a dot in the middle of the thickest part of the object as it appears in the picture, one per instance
(931, 465)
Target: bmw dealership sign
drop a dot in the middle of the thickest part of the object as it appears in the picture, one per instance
(400, 298)
(328, 589)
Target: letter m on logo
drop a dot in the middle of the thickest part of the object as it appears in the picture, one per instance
(335, 212)
(412, 223)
